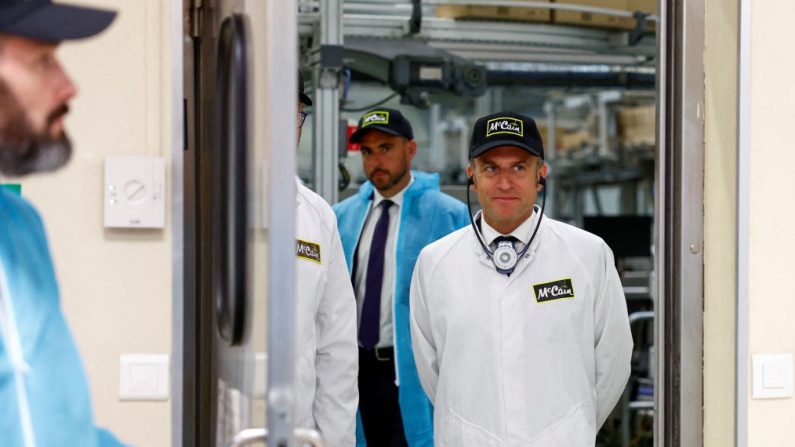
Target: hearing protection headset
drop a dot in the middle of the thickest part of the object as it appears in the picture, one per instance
(505, 257)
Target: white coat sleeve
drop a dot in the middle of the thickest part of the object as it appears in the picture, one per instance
(337, 358)
(421, 333)
(612, 340)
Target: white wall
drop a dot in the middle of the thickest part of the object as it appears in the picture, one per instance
(115, 285)
(772, 240)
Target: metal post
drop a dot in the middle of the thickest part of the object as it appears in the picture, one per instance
(326, 116)
(549, 153)
(280, 87)
(437, 149)
(605, 121)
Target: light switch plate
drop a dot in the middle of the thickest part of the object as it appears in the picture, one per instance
(135, 192)
(144, 377)
(772, 376)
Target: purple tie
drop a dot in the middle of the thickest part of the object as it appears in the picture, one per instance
(369, 327)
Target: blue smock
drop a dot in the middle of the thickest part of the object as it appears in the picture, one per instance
(44, 398)
(427, 214)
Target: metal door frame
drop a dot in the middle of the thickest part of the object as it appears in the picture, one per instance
(180, 288)
(679, 230)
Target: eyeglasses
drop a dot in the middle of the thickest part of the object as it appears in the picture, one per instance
(300, 119)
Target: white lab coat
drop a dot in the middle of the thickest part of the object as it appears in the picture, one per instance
(327, 355)
(505, 370)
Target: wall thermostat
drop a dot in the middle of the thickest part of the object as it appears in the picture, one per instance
(135, 192)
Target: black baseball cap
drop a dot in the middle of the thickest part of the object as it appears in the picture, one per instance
(505, 129)
(303, 97)
(51, 22)
(389, 121)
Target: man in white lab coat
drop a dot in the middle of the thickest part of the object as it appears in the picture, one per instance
(326, 348)
(518, 322)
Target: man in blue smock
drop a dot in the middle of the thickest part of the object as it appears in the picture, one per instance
(383, 228)
(44, 398)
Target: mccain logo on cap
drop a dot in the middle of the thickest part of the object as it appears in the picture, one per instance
(506, 125)
(376, 117)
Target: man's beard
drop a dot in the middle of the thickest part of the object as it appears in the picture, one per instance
(23, 150)
(391, 181)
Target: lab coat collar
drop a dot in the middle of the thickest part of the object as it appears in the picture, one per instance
(529, 254)
(523, 232)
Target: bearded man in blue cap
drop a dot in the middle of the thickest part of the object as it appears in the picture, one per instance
(383, 228)
(43, 389)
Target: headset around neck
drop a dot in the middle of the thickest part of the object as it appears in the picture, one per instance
(504, 257)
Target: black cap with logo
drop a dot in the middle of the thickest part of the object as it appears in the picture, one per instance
(505, 129)
(303, 97)
(389, 121)
(51, 22)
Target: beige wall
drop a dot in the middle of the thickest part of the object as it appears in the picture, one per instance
(720, 62)
(115, 285)
(772, 240)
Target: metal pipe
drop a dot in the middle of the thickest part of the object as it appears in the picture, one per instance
(326, 122)
(550, 154)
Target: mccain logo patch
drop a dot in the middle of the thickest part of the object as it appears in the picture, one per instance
(307, 250)
(375, 117)
(504, 125)
(555, 290)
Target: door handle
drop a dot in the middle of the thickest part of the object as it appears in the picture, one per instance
(309, 436)
(251, 435)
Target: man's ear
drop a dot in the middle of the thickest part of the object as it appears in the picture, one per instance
(471, 178)
(542, 174)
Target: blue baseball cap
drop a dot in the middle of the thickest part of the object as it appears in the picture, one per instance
(51, 22)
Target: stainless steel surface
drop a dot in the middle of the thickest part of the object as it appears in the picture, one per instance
(280, 68)
(178, 246)
(743, 224)
(680, 225)
(660, 234)
(689, 169)
(326, 116)
(229, 391)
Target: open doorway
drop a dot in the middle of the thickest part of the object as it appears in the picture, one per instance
(619, 91)
(622, 105)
